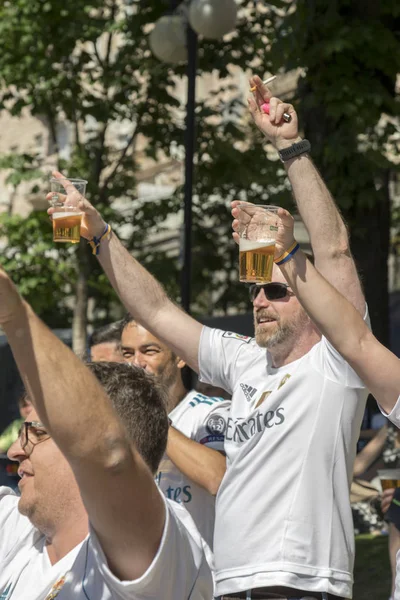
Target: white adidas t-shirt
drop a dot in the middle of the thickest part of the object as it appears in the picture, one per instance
(179, 570)
(283, 512)
(202, 419)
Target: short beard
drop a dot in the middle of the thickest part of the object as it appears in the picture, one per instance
(284, 333)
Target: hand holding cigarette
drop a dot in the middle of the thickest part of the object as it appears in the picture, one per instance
(276, 119)
(265, 82)
(265, 107)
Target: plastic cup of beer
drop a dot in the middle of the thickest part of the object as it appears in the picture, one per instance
(389, 478)
(258, 227)
(67, 216)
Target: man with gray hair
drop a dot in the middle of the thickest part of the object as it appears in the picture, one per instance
(90, 521)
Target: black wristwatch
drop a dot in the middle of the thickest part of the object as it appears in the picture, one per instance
(294, 150)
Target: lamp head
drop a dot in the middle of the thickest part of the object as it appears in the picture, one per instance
(168, 39)
(213, 18)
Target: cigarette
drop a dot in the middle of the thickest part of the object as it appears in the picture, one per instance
(265, 82)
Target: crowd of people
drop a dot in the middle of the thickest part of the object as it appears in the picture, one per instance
(134, 487)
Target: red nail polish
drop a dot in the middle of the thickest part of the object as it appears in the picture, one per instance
(265, 108)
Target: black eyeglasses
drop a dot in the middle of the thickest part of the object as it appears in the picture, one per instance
(32, 432)
(272, 291)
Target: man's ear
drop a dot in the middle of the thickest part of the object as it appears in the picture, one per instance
(180, 363)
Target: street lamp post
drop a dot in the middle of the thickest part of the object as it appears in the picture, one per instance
(212, 19)
(190, 137)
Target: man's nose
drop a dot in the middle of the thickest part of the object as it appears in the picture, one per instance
(139, 361)
(261, 300)
(15, 451)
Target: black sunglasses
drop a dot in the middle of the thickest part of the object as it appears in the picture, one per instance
(272, 291)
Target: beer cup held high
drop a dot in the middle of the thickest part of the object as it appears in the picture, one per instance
(258, 226)
(67, 216)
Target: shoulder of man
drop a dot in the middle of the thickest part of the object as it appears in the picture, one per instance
(236, 337)
(180, 550)
(15, 528)
(201, 552)
(227, 339)
(183, 515)
(208, 415)
(202, 404)
(8, 498)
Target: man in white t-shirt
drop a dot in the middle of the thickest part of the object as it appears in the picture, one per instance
(283, 525)
(90, 521)
(194, 463)
(338, 320)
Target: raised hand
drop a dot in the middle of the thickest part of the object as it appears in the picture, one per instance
(92, 221)
(280, 133)
(242, 214)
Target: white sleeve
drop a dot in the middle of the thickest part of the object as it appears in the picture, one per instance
(179, 569)
(219, 357)
(327, 360)
(13, 525)
(212, 427)
(393, 416)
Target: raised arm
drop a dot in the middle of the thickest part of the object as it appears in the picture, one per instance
(338, 320)
(145, 298)
(140, 292)
(112, 477)
(317, 208)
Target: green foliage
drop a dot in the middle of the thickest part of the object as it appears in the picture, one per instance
(350, 110)
(42, 273)
(98, 72)
(88, 63)
(349, 52)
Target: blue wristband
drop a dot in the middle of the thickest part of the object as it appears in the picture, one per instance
(289, 255)
(95, 242)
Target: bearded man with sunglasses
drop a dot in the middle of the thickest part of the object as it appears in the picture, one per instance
(283, 525)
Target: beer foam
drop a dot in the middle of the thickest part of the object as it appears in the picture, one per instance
(60, 215)
(247, 245)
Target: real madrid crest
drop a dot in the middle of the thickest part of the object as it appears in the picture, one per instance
(216, 424)
(56, 589)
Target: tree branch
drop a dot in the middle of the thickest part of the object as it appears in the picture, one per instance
(110, 37)
(98, 164)
(122, 156)
(99, 59)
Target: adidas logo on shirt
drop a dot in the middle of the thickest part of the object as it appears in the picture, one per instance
(248, 391)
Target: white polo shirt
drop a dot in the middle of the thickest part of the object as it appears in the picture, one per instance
(283, 512)
(202, 419)
(179, 569)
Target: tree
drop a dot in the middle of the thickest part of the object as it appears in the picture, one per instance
(347, 100)
(98, 73)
